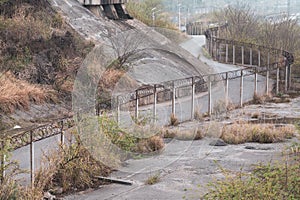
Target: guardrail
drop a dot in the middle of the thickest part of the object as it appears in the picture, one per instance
(203, 83)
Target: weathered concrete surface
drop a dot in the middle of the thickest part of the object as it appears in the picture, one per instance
(194, 165)
(187, 166)
(169, 59)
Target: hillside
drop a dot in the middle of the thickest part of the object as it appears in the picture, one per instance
(44, 43)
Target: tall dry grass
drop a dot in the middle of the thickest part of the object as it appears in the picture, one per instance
(17, 94)
(262, 133)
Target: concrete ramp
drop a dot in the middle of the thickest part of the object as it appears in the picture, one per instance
(112, 9)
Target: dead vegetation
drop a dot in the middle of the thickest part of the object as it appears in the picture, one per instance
(188, 134)
(238, 133)
(18, 94)
(174, 120)
(154, 144)
(153, 179)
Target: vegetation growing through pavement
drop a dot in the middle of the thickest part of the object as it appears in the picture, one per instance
(271, 181)
(238, 133)
(153, 179)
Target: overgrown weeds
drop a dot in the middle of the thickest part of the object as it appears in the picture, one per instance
(153, 179)
(277, 181)
(188, 134)
(262, 133)
(174, 120)
(18, 94)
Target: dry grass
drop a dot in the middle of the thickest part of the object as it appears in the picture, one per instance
(174, 120)
(71, 168)
(153, 179)
(198, 116)
(18, 94)
(149, 145)
(193, 134)
(261, 133)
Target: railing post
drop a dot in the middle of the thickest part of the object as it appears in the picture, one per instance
(233, 54)
(243, 61)
(255, 81)
(193, 99)
(118, 110)
(209, 97)
(251, 56)
(173, 98)
(216, 50)
(62, 137)
(286, 79)
(277, 78)
(226, 58)
(241, 88)
(31, 159)
(267, 80)
(258, 58)
(2, 161)
(154, 103)
(227, 90)
(211, 46)
(290, 76)
(136, 104)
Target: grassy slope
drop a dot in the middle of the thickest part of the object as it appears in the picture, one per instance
(40, 52)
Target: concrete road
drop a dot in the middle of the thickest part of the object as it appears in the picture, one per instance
(185, 167)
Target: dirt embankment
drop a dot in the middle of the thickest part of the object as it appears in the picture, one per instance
(39, 49)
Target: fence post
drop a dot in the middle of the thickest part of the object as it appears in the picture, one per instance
(241, 88)
(31, 159)
(216, 50)
(290, 76)
(136, 104)
(118, 110)
(233, 54)
(277, 78)
(209, 97)
(267, 80)
(193, 99)
(211, 46)
(243, 61)
(251, 56)
(2, 161)
(173, 98)
(268, 73)
(255, 81)
(286, 79)
(226, 59)
(62, 137)
(258, 58)
(154, 103)
(227, 90)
